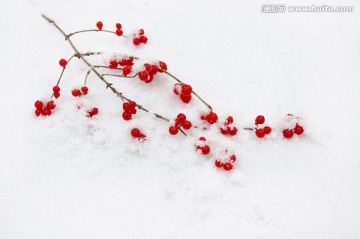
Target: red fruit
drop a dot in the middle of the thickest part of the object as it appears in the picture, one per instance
(211, 117)
(218, 163)
(298, 129)
(56, 95)
(288, 133)
(51, 105)
(118, 26)
(39, 105)
(119, 32)
(46, 112)
(267, 130)
(56, 89)
(38, 112)
(151, 77)
(202, 139)
(63, 63)
(84, 89)
(113, 64)
(133, 111)
(173, 130)
(181, 117)
(135, 133)
(233, 131)
(99, 25)
(205, 150)
(177, 88)
(126, 70)
(163, 66)
(76, 92)
(228, 166)
(233, 158)
(186, 124)
(229, 120)
(224, 131)
(141, 32)
(129, 61)
(136, 41)
(186, 89)
(143, 39)
(143, 75)
(132, 104)
(127, 116)
(153, 70)
(185, 98)
(260, 119)
(95, 111)
(260, 133)
(122, 62)
(127, 107)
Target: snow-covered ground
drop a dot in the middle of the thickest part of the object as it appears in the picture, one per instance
(68, 176)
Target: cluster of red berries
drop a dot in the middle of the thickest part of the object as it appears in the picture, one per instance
(184, 90)
(228, 128)
(118, 31)
(226, 162)
(79, 92)
(180, 121)
(63, 63)
(147, 75)
(261, 132)
(288, 133)
(129, 110)
(202, 146)
(139, 38)
(56, 91)
(136, 133)
(125, 62)
(94, 111)
(211, 118)
(45, 110)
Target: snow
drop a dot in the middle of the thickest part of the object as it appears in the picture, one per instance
(68, 176)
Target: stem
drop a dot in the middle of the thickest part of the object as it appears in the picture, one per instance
(91, 30)
(123, 76)
(92, 68)
(87, 74)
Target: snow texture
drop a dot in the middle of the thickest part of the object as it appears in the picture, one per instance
(68, 176)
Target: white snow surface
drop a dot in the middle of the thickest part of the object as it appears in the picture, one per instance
(67, 176)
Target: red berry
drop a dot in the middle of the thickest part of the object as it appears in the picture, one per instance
(132, 104)
(233, 131)
(126, 70)
(228, 166)
(143, 39)
(233, 158)
(119, 32)
(298, 129)
(186, 89)
(99, 25)
(51, 105)
(224, 131)
(133, 111)
(150, 79)
(141, 32)
(113, 64)
(229, 120)
(95, 111)
(177, 88)
(143, 75)
(147, 67)
(267, 129)
(288, 133)
(63, 63)
(260, 119)
(76, 92)
(218, 163)
(56, 89)
(135, 133)
(212, 118)
(136, 41)
(181, 117)
(127, 116)
(202, 138)
(122, 62)
(127, 107)
(38, 112)
(84, 89)
(186, 124)
(39, 105)
(185, 98)
(205, 150)
(46, 112)
(118, 26)
(173, 130)
(260, 133)
(56, 95)
(153, 70)
(163, 66)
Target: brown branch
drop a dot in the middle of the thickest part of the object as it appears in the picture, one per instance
(92, 30)
(92, 68)
(123, 76)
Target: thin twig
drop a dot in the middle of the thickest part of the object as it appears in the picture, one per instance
(91, 30)
(123, 76)
(87, 74)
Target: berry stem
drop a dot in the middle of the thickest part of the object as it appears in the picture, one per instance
(91, 30)
(120, 75)
(92, 68)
